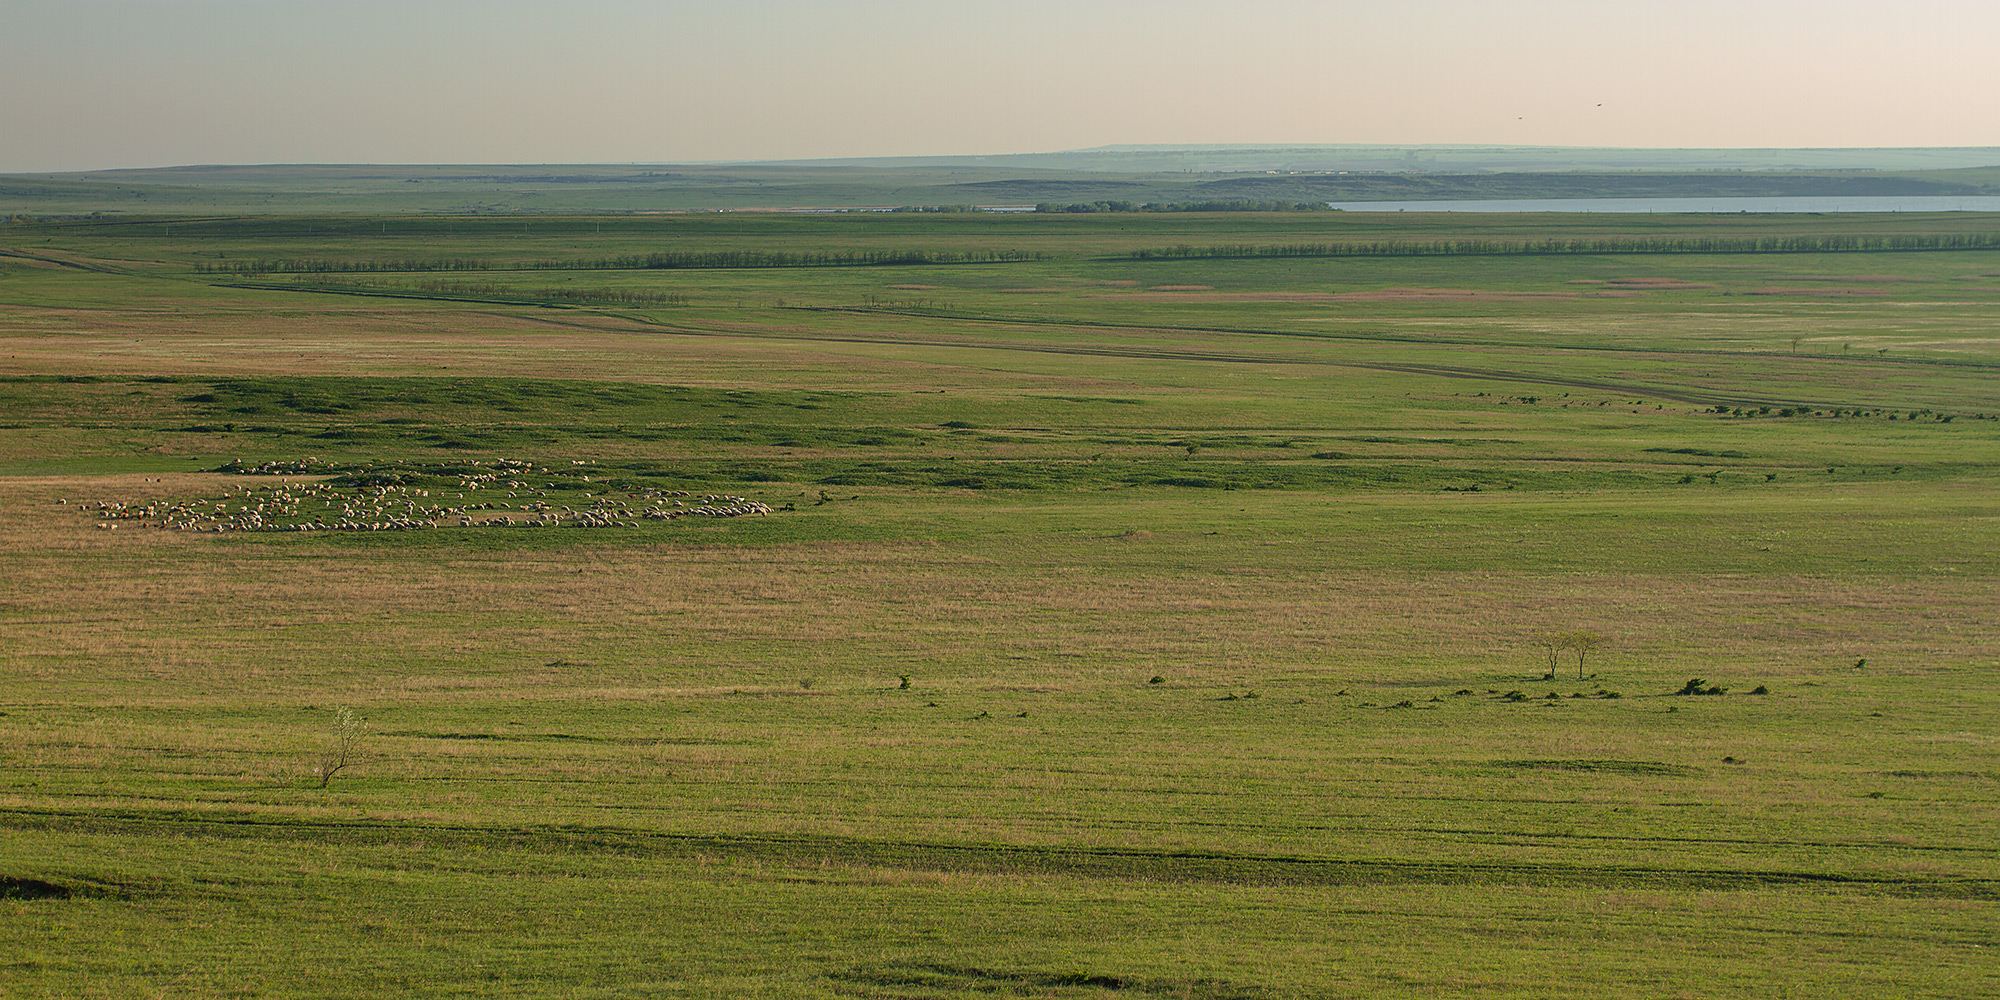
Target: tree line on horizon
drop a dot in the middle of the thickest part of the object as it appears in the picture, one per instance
(1691, 245)
(1211, 205)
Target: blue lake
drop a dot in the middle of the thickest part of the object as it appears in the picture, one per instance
(1925, 203)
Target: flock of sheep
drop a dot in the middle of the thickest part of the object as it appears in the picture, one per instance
(322, 506)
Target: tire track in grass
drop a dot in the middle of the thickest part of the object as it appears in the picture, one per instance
(62, 262)
(987, 858)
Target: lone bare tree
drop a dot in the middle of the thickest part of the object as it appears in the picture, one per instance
(1552, 643)
(1582, 643)
(343, 745)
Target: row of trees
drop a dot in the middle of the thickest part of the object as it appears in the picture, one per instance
(688, 259)
(298, 265)
(660, 261)
(1212, 205)
(1555, 643)
(1668, 245)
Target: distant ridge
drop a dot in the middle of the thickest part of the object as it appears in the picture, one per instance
(1115, 175)
(1455, 158)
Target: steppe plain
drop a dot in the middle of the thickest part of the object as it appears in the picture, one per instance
(1143, 608)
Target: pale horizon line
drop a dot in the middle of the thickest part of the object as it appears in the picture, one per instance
(1109, 147)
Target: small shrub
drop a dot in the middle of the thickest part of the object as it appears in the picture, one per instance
(1157, 679)
(1760, 689)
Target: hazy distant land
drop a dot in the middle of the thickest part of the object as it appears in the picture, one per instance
(1139, 174)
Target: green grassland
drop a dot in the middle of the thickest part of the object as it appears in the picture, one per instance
(1110, 624)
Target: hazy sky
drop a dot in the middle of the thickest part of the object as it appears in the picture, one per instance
(111, 83)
